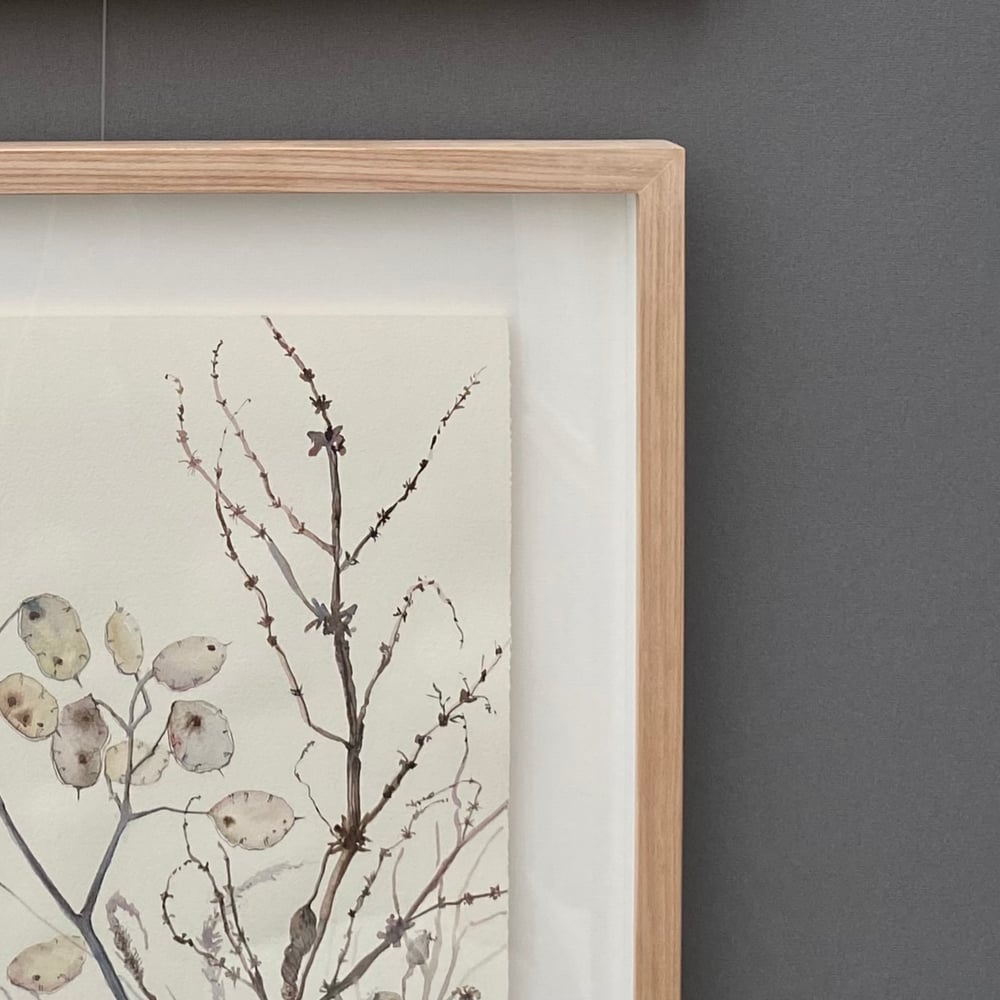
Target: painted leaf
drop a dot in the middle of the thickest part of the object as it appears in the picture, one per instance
(148, 764)
(49, 965)
(28, 707)
(123, 640)
(78, 743)
(199, 735)
(50, 628)
(252, 820)
(189, 662)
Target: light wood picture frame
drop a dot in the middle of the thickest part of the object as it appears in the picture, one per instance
(653, 172)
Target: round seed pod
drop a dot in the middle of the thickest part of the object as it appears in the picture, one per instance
(78, 743)
(28, 707)
(199, 736)
(123, 640)
(49, 965)
(189, 662)
(150, 765)
(50, 628)
(76, 766)
(252, 820)
(81, 721)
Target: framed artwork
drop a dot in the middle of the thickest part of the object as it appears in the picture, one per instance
(334, 577)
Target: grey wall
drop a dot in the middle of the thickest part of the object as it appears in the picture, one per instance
(843, 802)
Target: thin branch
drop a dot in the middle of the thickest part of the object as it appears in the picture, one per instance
(34, 864)
(415, 911)
(175, 810)
(449, 712)
(410, 486)
(229, 920)
(114, 715)
(305, 784)
(235, 510)
(320, 403)
(10, 617)
(352, 913)
(266, 622)
(297, 525)
(388, 648)
(52, 927)
(467, 899)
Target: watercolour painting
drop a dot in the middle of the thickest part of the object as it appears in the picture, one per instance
(255, 663)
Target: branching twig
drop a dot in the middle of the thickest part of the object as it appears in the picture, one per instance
(305, 784)
(266, 622)
(416, 909)
(388, 648)
(235, 510)
(225, 905)
(410, 486)
(297, 525)
(449, 712)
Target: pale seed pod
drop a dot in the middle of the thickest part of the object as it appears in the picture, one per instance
(148, 765)
(49, 965)
(28, 707)
(189, 662)
(252, 820)
(199, 736)
(50, 628)
(123, 640)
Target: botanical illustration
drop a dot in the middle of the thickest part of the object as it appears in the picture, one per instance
(285, 777)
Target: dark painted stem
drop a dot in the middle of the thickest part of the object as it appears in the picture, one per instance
(34, 864)
(10, 618)
(86, 928)
(102, 869)
(81, 921)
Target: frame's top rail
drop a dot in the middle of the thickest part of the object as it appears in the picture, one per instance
(330, 166)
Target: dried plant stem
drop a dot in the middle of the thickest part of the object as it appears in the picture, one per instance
(388, 648)
(350, 834)
(10, 617)
(415, 910)
(226, 908)
(237, 511)
(450, 711)
(409, 487)
(297, 525)
(266, 622)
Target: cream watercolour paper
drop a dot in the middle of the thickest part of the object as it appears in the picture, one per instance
(254, 678)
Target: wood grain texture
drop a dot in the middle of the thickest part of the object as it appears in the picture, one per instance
(660, 590)
(654, 172)
(362, 167)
